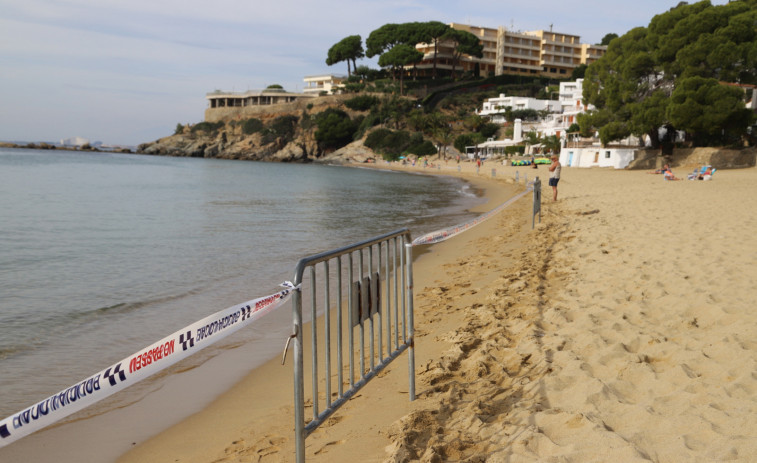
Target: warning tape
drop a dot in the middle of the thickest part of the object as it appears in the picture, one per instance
(139, 365)
(447, 233)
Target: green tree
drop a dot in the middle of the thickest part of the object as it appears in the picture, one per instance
(335, 128)
(398, 57)
(467, 139)
(708, 111)
(552, 143)
(633, 83)
(444, 137)
(434, 32)
(362, 102)
(383, 39)
(579, 72)
(488, 130)
(532, 138)
(465, 43)
(251, 126)
(608, 38)
(348, 49)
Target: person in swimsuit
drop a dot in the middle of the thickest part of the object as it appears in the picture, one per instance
(554, 175)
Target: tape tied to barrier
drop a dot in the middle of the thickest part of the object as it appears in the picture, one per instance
(447, 233)
(140, 365)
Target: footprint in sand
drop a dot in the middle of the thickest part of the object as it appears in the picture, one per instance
(325, 448)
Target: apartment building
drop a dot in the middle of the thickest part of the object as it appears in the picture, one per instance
(537, 53)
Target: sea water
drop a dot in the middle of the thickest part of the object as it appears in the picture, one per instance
(102, 254)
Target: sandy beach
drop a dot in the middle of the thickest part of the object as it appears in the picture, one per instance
(619, 329)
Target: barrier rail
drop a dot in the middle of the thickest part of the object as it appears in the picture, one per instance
(390, 316)
(537, 202)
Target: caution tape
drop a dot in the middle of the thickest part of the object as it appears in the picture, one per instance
(139, 365)
(447, 233)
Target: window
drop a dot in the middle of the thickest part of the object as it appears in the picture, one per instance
(607, 155)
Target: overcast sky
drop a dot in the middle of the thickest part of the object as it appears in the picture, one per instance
(127, 71)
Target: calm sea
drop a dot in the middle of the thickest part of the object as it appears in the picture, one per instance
(102, 254)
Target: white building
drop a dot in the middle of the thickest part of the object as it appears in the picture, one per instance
(494, 108)
(74, 141)
(328, 83)
(563, 113)
(596, 156)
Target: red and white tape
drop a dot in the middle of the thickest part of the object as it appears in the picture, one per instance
(447, 233)
(139, 366)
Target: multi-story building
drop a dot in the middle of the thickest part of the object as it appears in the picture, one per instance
(323, 84)
(538, 53)
(494, 108)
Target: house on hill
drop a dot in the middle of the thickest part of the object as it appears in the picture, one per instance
(228, 104)
(323, 83)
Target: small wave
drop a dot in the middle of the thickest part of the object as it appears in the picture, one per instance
(241, 203)
(6, 352)
(466, 190)
(127, 307)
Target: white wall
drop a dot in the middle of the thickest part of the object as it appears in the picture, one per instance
(617, 158)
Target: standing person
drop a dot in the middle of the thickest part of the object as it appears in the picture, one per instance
(554, 175)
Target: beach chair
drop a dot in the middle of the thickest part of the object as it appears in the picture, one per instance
(709, 176)
(697, 172)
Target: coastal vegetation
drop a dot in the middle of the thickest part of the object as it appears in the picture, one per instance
(686, 71)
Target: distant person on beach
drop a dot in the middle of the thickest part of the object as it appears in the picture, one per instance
(669, 175)
(533, 163)
(554, 175)
(660, 171)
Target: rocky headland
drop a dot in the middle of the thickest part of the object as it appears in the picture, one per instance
(228, 137)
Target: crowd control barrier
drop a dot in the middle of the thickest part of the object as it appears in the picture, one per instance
(374, 279)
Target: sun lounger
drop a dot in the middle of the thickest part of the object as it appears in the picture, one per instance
(703, 173)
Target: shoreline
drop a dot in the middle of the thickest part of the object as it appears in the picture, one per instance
(126, 415)
(620, 329)
(267, 392)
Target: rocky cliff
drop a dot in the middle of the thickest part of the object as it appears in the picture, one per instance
(284, 134)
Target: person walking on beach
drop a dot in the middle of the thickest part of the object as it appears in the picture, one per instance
(554, 175)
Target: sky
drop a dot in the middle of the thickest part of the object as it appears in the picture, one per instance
(125, 72)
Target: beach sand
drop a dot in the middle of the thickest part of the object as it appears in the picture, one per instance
(620, 329)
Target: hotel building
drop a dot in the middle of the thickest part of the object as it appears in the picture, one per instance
(537, 53)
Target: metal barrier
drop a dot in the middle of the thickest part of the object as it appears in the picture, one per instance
(537, 202)
(379, 294)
